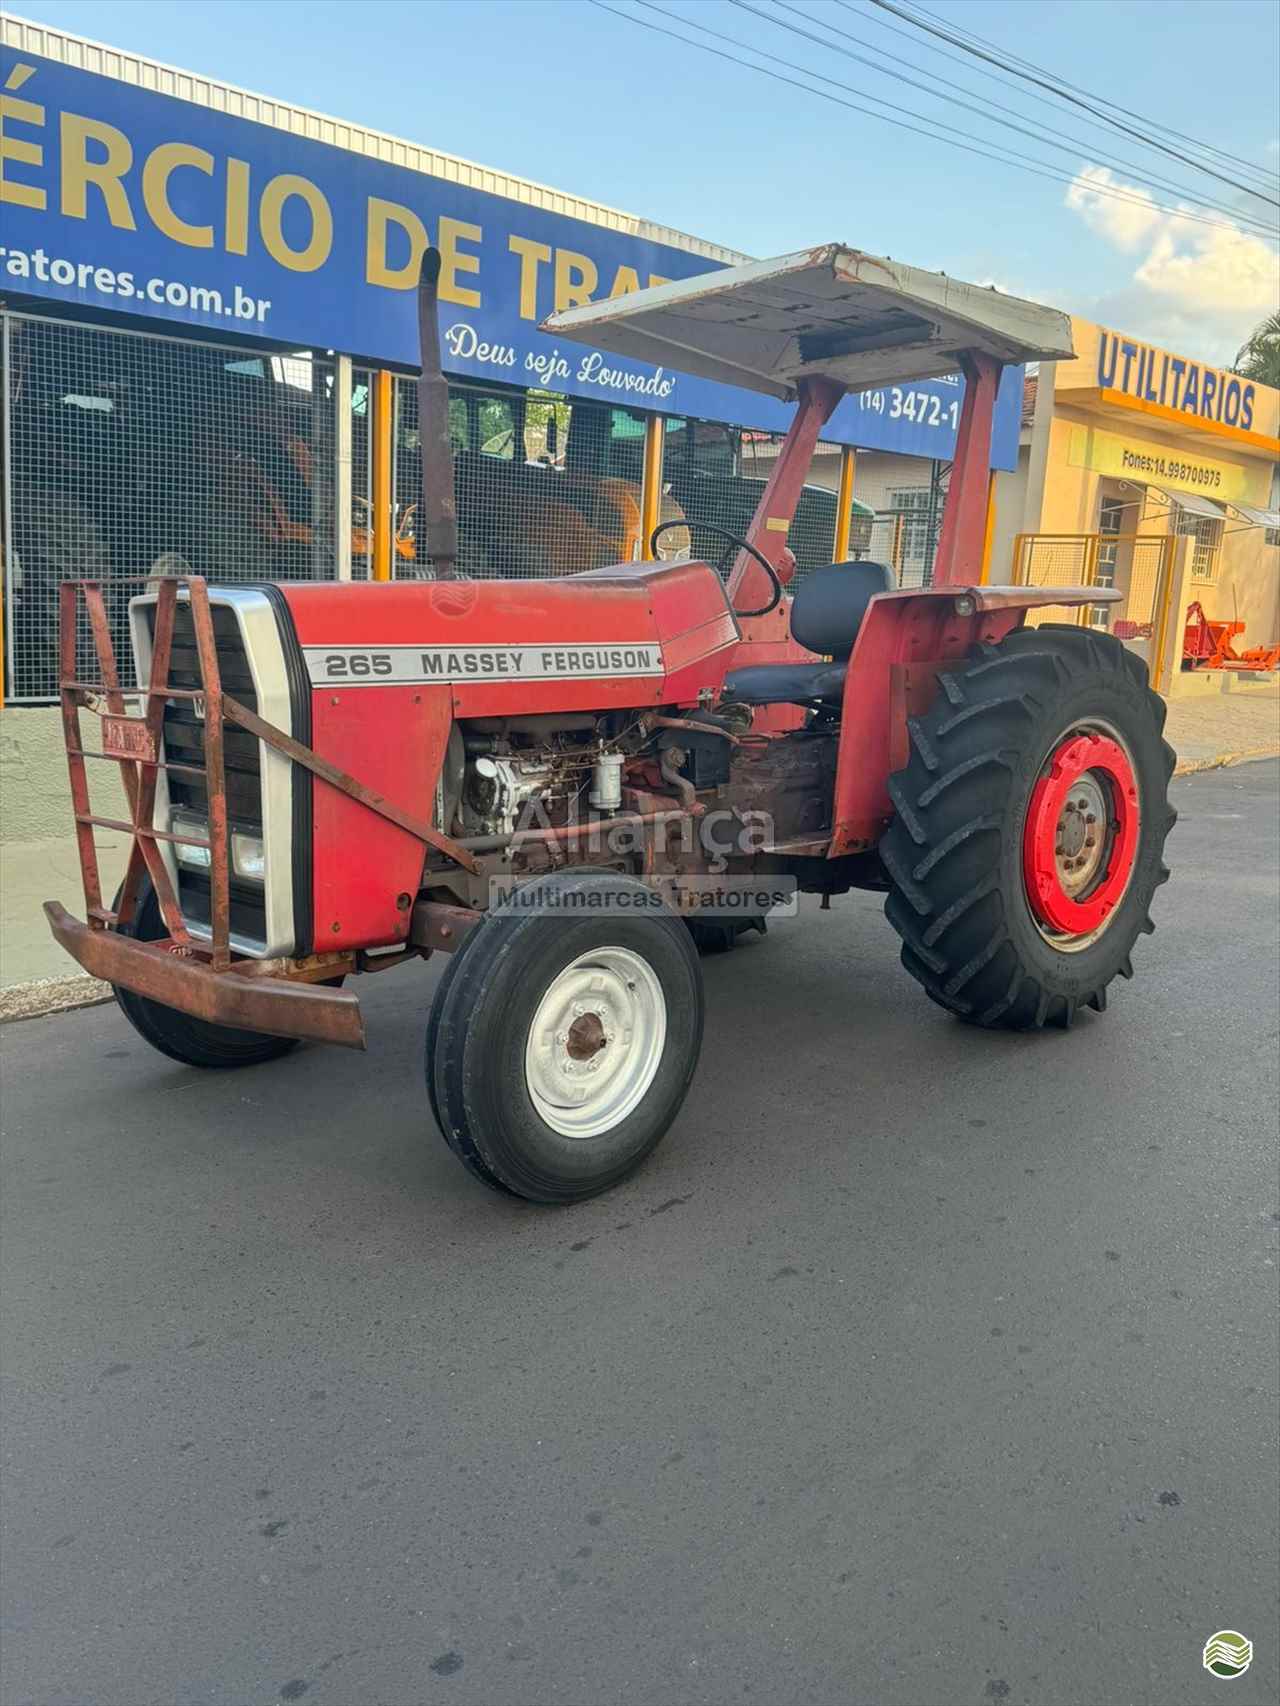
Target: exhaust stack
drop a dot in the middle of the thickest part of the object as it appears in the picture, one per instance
(438, 536)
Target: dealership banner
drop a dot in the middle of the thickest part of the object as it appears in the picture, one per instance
(116, 198)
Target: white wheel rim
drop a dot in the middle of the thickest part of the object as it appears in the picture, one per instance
(595, 1042)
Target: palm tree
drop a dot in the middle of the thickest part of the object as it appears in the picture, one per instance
(1260, 358)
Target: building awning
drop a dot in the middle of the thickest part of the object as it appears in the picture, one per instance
(1259, 517)
(1192, 502)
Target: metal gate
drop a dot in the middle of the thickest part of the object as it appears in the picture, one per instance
(1139, 565)
(127, 453)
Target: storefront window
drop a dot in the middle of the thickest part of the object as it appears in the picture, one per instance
(1207, 535)
(1110, 525)
(912, 502)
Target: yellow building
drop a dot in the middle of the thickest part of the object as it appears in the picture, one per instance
(1148, 471)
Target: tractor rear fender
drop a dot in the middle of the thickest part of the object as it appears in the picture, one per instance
(905, 639)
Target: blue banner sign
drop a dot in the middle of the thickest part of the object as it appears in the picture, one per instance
(116, 198)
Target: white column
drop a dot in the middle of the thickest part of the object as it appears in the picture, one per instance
(342, 467)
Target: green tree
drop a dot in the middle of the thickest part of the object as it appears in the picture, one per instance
(1260, 358)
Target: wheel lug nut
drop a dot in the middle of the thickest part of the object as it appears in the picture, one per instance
(1090, 817)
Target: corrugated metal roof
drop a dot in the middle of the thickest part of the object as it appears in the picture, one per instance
(828, 311)
(26, 36)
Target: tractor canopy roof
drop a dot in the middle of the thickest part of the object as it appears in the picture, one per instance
(859, 319)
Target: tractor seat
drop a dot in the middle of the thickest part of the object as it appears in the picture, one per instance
(826, 614)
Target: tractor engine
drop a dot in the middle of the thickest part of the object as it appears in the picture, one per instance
(504, 773)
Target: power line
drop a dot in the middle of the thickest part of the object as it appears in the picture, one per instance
(1262, 172)
(1007, 82)
(1025, 94)
(1075, 100)
(1077, 144)
(1040, 169)
(1064, 90)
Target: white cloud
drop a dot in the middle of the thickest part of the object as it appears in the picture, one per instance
(1127, 224)
(1205, 284)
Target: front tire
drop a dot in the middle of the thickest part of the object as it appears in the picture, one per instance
(1030, 828)
(194, 1042)
(720, 936)
(564, 1036)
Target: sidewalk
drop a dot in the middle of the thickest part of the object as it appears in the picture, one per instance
(35, 976)
(1225, 728)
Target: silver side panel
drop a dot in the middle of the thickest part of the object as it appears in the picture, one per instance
(261, 637)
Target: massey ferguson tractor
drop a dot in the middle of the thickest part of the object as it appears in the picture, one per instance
(545, 779)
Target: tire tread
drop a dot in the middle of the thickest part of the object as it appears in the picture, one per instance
(965, 755)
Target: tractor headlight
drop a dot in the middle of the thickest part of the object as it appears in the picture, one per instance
(248, 859)
(194, 858)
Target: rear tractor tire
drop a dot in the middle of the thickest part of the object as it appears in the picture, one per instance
(1030, 826)
(563, 1037)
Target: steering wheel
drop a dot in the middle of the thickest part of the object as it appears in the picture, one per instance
(731, 540)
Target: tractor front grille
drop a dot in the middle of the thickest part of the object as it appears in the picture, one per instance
(184, 744)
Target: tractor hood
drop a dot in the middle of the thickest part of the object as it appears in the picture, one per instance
(634, 634)
(832, 311)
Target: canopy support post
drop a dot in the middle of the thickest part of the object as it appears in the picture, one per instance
(772, 520)
(964, 518)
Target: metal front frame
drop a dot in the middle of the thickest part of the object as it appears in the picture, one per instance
(264, 653)
(139, 775)
(258, 995)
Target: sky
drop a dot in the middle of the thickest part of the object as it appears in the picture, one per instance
(572, 95)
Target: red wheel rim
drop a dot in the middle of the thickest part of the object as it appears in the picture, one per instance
(1081, 835)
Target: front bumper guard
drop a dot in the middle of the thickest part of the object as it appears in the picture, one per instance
(244, 1002)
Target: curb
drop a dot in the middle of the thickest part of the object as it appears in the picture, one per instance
(1221, 760)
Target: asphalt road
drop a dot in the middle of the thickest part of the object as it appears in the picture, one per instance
(920, 1367)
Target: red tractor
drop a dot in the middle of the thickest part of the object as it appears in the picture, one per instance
(547, 779)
